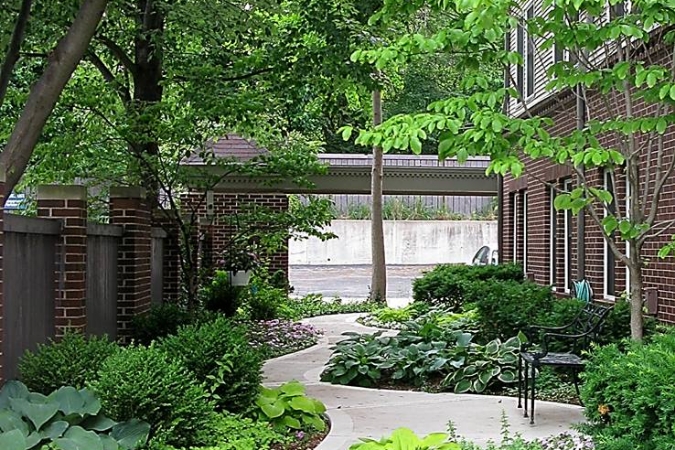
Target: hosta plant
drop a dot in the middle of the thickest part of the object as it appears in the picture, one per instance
(485, 363)
(67, 419)
(406, 439)
(288, 407)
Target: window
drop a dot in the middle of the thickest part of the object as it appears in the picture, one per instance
(524, 197)
(552, 243)
(618, 10)
(529, 60)
(520, 48)
(567, 251)
(514, 208)
(610, 259)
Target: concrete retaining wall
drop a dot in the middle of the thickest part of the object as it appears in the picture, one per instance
(406, 242)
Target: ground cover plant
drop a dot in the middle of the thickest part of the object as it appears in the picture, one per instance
(66, 419)
(287, 406)
(424, 351)
(279, 337)
(315, 305)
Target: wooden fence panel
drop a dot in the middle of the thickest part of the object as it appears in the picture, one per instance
(102, 259)
(31, 269)
(157, 266)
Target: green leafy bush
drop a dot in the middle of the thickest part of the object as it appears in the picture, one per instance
(288, 407)
(220, 296)
(506, 307)
(159, 321)
(423, 352)
(446, 284)
(628, 393)
(148, 384)
(72, 361)
(314, 305)
(404, 438)
(394, 317)
(68, 419)
(218, 353)
(263, 303)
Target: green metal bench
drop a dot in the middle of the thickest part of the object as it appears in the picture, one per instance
(577, 335)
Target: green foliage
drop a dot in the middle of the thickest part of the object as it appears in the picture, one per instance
(507, 307)
(446, 284)
(66, 419)
(148, 384)
(263, 300)
(159, 321)
(617, 324)
(220, 296)
(72, 361)
(423, 351)
(403, 439)
(218, 353)
(392, 316)
(288, 407)
(628, 394)
(313, 305)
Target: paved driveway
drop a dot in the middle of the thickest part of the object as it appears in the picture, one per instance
(349, 282)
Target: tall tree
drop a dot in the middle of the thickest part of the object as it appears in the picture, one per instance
(44, 94)
(378, 288)
(617, 138)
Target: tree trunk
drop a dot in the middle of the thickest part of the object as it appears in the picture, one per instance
(636, 321)
(45, 93)
(14, 47)
(378, 288)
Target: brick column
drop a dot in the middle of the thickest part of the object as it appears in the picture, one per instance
(69, 204)
(129, 209)
(171, 261)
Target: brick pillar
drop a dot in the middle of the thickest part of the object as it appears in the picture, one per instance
(69, 204)
(129, 209)
(171, 262)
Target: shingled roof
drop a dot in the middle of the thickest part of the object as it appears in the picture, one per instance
(230, 146)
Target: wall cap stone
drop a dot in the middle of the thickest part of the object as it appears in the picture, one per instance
(61, 192)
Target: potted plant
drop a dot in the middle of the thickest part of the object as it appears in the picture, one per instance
(240, 259)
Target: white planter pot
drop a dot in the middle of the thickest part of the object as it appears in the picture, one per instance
(240, 277)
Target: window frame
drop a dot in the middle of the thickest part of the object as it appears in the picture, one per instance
(552, 242)
(609, 259)
(567, 247)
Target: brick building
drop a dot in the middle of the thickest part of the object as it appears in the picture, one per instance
(556, 247)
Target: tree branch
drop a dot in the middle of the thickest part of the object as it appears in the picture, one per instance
(119, 54)
(122, 90)
(226, 79)
(12, 55)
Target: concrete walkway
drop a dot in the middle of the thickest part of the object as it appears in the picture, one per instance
(358, 412)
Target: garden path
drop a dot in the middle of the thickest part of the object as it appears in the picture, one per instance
(359, 412)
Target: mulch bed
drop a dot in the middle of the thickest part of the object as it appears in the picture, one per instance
(306, 441)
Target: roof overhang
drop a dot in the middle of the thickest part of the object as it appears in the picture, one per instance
(398, 180)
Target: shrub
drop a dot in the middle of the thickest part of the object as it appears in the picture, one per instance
(288, 407)
(67, 419)
(159, 321)
(148, 384)
(617, 324)
(72, 361)
(219, 354)
(264, 303)
(628, 393)
(220, 296)
(314, 305)
(446, 284)
(507, 307)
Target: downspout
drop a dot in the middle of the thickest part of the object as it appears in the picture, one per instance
(581, 218)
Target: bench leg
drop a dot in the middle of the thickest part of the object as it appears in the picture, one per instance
(520, 380)
(532, 398)
(575, 378)
(527, 379)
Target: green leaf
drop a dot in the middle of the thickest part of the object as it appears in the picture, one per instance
(416, 145)
(292, 388)
(55, 429)
(98, 423)
(13, 440)
(37, 413)
(69, 400)
(273, 410)
(11, 420)
(462, 386)
(315, 422)
(507, 376)
(661, 125)
(492, 347)
(12, 389)
(77, 438)
(302, 404)
(291, 422)
(131, 434)
(433, 440)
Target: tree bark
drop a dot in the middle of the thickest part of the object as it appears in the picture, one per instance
(45, 93)
(635, 270)
(14, 47)
(378, 289)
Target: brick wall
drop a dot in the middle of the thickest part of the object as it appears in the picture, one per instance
(69, 204)
(129, 209)
(215, 233)
(171, 261)
(658, 274)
